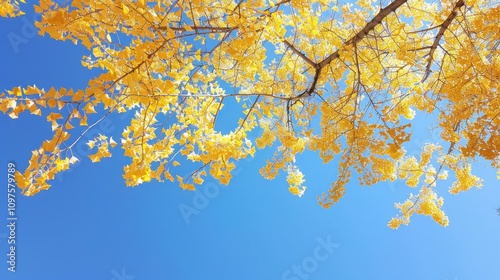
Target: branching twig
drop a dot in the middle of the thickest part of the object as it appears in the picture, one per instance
(444, 27)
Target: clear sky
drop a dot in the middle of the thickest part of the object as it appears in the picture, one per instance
(89, 225)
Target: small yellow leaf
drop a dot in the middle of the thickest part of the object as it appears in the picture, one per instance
(52, 102)
(48, 146)
(55, 125)
(168, 85)
(97, 52)
(83, 121)
(168, 176)
(91, 144)
(198, 180)
(95, 158)
(36, 112)
(187, 27)
(73, 160)
(32, 90)
(61, 164)
(89, 108)
(125, 9)
(17, 91)
(112, 142)
(53, 117)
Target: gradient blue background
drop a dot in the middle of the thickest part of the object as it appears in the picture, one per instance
(90, 226)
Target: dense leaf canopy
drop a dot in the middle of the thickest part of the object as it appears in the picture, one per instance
(339, 78)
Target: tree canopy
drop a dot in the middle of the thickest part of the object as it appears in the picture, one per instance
(343, 79)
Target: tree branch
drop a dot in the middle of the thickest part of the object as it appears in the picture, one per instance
(299, 53)
(444, 27)
(368, 27)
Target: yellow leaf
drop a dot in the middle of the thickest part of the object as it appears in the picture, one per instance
(37, 112)
(17, 91)
(97, 52)
(52, 102)
(168, 176)
(83, 121)
(54, 125)
(188, 187)
(198, 180)
(32, 90)
(187, 27)
(48, 146)
(68, 126)
(179, 178)
(91, 144)
(61, 164)
(89, 108)
(168, 85)
(112, 142)
(53, 117)
(73, 160)
(125, 9)
(77, 96)
(95, 158)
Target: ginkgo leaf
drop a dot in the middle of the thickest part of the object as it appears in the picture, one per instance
(52, 102)
(89, 108)
(68, 126)
(54, 116)
(17, 91)
(112, 142)
(97, 52)
(95, 158)
(73, 160)
(48, 146)
(83, 121)
(125, 9)
(188, 28)
(31, 90)
(91, 144)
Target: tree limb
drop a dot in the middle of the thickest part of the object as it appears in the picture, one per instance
(444, 27)
(368, 27)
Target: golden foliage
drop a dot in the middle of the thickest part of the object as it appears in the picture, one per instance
(10, 8)
(343, 79)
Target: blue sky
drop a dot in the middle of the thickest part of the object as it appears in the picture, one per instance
(89, 225)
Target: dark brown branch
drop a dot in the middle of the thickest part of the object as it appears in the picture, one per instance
(248, 114)
(368, 27)
(312, 88)
(299, 53)
(442, 30)
(196, 28)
